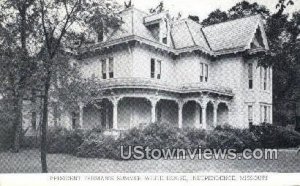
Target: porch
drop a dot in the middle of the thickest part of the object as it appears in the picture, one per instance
(125, 112)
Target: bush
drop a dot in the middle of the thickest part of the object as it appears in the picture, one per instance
(272, 136)
(61, 140)
(228, 137)
(197, 137)
(6, 137)
(164, 136)
(154, 136)
(224, 140)
(96, 145)
(30, 142)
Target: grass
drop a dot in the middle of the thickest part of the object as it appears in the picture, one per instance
(28, 161)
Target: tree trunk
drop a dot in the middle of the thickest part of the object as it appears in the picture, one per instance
(44, 125)
(18, 104)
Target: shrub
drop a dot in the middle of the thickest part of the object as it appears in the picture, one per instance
(96, 145)
(6, 136)
(197, 137)
(61, 140)
(164, 136)
(272, 136)
(30, 142)
(224, 140)
(158, 136)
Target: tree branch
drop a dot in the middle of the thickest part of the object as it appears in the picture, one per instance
(64, 29)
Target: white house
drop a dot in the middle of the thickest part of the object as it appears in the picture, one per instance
(154, 69)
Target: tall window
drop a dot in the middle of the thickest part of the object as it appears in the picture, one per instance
(250, 115)
(250, 75)
(203, 72)
(158, 72)
(265, 113)
(111, 67)
(265, 78)
(152, 68)
(206, 72)
(104, 69)
(107, 68)
(269, 79)
(155, 68)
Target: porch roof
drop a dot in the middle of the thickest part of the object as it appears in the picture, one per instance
(144, 83)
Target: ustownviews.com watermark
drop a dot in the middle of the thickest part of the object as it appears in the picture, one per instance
(140, 152)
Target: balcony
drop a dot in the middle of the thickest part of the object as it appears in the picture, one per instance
(147, 83)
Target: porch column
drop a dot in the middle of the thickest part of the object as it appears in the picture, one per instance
(153, 109)
(197, 115)
(81, 115)
(115, 102)
(215, 114)
(203, 110)
(180, 106)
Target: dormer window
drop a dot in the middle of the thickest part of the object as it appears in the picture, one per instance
(165, 40)
(158, 25)
(154, 29)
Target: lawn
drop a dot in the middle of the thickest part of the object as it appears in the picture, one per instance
(28, 161)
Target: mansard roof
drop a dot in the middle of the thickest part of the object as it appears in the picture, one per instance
(186, 35)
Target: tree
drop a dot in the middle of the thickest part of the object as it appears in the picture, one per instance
(17, 21)
(194, 18)
(57, 31)
(241, 9)
(160, 8)
(245, 8)
(214, 17)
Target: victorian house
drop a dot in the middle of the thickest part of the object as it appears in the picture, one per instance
(155, 69)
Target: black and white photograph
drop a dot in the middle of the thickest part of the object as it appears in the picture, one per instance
(157, 86)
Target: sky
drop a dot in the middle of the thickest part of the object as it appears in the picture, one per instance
(202, 8)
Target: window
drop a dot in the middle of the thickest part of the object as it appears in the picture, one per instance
(33, 120)
(107, 68)
(158, 73)
(250, 115)
(152, 68)
(265, 113)
(250, 75)
(111, 67)
(203, 72)
(269, 79)
(155, 68)
(206, 72)
(165, 40)
(103, 69)
(265, 78)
